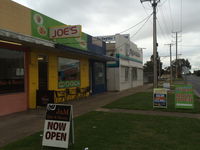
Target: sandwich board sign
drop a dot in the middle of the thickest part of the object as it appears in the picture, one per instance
(58, 126)
(159, 98)
(184, 97)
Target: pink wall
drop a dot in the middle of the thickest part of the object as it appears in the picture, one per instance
(10, 103)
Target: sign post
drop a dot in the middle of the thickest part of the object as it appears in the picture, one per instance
(159, 98)
(184, 97)
(58, 126)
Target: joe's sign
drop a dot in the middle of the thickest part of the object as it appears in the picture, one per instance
(65, 31)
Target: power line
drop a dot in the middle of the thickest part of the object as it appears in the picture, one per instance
(162, 32)
(167, 29)
(162, 3)
(146, 18)
(136, 31)
(136, 24)
(181, 11)
(172, 22)
(141, 26)
(144, 9)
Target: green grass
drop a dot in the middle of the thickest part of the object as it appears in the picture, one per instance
(118, 131)
(144, 101)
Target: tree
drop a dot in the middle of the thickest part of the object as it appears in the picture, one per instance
(148, 66)
(181, 63)
(197, 72)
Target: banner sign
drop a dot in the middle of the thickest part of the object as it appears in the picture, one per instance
(160, 98)
(184, 97)
(57, 125)
(65, 31)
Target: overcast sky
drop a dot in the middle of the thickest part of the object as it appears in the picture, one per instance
(109, 17)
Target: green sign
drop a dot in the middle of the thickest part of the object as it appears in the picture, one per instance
(184, 97)
(40, 28)
(66, 84)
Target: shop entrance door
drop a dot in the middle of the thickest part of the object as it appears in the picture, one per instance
(43, 72)
(98, 77)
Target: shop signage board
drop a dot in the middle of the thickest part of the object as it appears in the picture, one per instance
(64, 31)
(159, 98)
(58, 127)
(41, 25)
(111, 38)
(184, 97)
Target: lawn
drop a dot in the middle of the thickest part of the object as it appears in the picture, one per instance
(144, 101)
(118, 131)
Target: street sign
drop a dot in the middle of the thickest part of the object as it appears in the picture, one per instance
(184, 97)
(159, 98)
(57, 126)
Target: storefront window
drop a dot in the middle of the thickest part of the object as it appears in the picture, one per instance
(134, 74)
(11, 71)
(68, 72)
(124, 74)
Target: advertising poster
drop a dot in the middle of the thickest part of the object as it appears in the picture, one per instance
(184, 97)
(159, 98)
(57, 125)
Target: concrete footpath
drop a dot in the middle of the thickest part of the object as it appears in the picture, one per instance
(22, 124)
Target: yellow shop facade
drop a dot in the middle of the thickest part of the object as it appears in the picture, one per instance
(32, 63)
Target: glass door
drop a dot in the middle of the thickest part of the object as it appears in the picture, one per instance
(99, 80)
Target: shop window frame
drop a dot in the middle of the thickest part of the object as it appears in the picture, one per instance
(69, 83)
(23, 49)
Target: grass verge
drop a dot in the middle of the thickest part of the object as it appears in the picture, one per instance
(117, 131)
(144, 101)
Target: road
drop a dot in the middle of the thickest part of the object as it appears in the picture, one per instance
(195, 81)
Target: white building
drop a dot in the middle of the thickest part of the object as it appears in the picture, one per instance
(128, 71)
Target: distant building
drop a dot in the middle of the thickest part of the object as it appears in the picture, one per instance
(127, 72)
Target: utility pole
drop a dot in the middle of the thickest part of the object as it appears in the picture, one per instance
(176, 54)
(155, 73)
(170, 51)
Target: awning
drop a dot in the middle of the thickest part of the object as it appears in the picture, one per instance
(88, 53)
(37, 42)
(24, 39)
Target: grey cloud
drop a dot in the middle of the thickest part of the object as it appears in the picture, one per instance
(112, 16)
